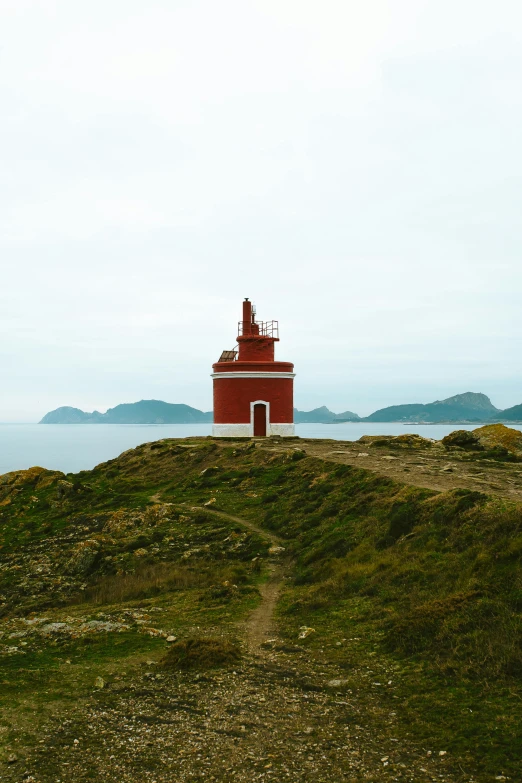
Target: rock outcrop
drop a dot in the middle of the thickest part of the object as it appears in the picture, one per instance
(492, 437)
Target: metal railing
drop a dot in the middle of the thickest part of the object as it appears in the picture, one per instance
(259, 329)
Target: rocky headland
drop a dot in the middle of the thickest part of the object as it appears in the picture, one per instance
(273, 609)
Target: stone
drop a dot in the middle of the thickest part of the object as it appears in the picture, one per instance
(463, 439)
(99, 682)
(83, 558)
(55, 628)
(406, 441)
(102, 626)
(500, 439)
(171, 638)
(337, 683)
(64, 489)
(12, 759)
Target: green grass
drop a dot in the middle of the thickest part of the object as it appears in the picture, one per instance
(44, 675)
(428, 584)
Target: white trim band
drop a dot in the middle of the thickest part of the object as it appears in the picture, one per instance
(285, 430)
(247, 430)
(252, 375)
(232, 430)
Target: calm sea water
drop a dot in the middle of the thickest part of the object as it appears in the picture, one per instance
(74, 447)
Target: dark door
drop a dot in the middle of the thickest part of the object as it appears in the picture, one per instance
(259, 419)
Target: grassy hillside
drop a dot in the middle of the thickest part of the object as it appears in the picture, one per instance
(416, 595)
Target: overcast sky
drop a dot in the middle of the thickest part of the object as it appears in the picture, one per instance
(354, 167)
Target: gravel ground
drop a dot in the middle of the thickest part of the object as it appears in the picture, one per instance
(435, 468)
(280, 716)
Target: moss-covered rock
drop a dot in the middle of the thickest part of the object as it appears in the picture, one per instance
(409, 440)
(498, 435)
(463, 439)
(201, 653)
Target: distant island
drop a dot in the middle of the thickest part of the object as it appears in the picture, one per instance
(467, 408)
(323, 416)
(142, 412)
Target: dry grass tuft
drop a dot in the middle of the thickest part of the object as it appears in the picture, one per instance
(201, 653)
(147, 582)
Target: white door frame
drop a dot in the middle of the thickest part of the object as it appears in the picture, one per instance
(267, 407)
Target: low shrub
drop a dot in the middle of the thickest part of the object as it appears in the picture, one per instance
(467, 632)
(201, 653)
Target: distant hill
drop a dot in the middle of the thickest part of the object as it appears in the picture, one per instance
(143, 412)
(470, 406)
(68, 415)
(317, 416)
(347, 416)
(511, 414)
(323, 416)
(158, 412)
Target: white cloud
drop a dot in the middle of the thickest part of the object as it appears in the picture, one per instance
(353, 167)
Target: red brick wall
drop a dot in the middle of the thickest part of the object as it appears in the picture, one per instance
(232, 398)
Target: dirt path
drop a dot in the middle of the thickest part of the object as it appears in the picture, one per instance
(244, 522)
(433, 469)
(275, 540)
(282, 714)
(260, 624)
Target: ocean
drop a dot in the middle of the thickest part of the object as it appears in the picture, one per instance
(74, 447)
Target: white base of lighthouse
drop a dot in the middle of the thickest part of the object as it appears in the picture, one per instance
(247, 430)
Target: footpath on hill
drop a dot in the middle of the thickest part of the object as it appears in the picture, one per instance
(344, 592)
(434, 468)
(282, 713)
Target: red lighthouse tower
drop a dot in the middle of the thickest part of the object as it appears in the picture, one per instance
(253, 394)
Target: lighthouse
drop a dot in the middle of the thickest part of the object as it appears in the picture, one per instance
(253, 394)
